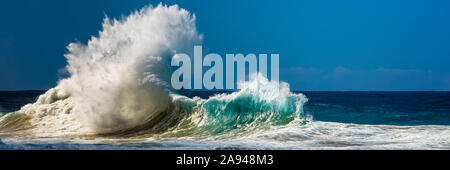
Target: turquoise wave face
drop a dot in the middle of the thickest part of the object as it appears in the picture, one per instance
(244, 111)
(247, 110)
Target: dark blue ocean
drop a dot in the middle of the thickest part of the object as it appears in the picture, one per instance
(384, 108)
(351, 119)
(377, 108)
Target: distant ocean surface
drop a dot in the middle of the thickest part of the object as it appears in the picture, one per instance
(335, 120)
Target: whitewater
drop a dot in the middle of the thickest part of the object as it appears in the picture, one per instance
(118, 95)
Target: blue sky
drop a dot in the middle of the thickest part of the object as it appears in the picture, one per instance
(323, 45)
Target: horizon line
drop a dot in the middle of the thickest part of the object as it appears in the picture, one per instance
(225, 90)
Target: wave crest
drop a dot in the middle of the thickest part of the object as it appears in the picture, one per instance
(260, 103)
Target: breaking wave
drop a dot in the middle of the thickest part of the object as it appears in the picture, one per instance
(119, 85)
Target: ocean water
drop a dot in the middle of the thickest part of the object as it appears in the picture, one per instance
(334, 120)
(118, 96)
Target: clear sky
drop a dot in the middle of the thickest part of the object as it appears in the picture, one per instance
(323, 45)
